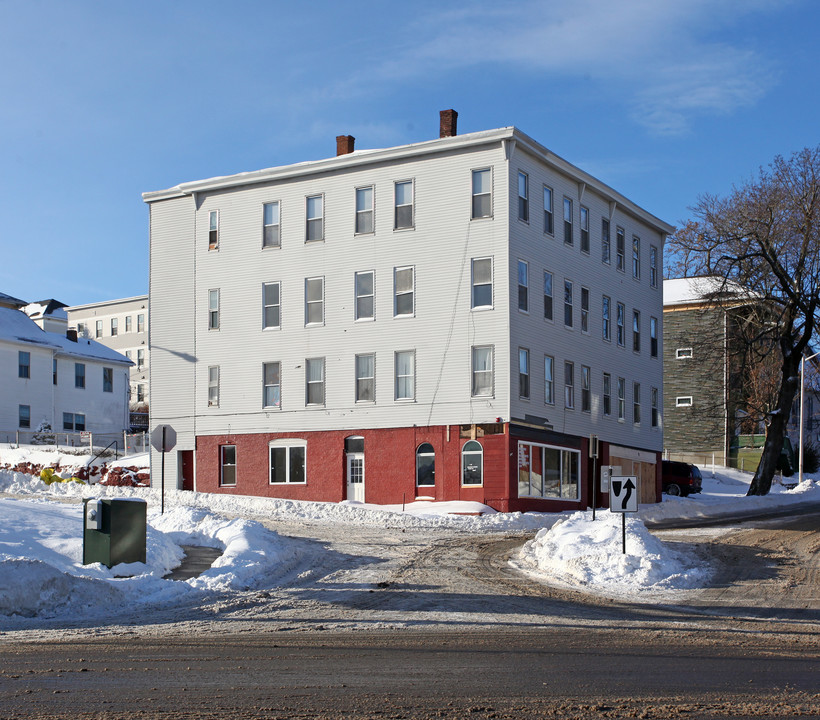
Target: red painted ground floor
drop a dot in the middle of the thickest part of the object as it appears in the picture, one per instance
(508, 466)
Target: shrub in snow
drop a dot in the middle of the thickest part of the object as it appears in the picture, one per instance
(43, 434)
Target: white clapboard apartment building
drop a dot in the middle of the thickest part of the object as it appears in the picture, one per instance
(450, 320)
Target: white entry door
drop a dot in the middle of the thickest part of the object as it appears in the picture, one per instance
(355, 477)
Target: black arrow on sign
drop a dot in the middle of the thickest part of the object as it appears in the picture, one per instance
(629, 486)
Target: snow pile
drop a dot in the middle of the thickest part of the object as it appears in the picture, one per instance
(578, 551)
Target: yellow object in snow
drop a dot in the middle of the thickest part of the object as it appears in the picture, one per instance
(48, 476)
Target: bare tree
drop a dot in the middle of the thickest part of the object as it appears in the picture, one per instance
(765, 237)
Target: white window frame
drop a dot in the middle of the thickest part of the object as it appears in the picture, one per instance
(584, 222)
(213, 309)
(620, 249)
(568, 221)
(140, 358)
(586, 389)
(115, 327)
(606, 241)
(311, 385)
(564, 468)
(469, 449)
(311, 305)
(549, 215)
(584, 309)
(476, 285)
(636, 257)
(361, 296)
(653, 336)
(620, 324)
(404, 293)
(621, 399)
(549, 299)
(272, 305)
(289, 445)
(523, 287)
(483, 370)
(79, 375)
(269, 387)
(24, 364)
(312, 220)
(213, 385)
(684, 353)
(411, 205)
(213, 229)
(274, 226)
(606, 318)
(636, 330)
(636, 403)
(653, 266)
(569, 385)
(549, 380)
(129, 326)
(523, 197)
(568, 309)
(364, 381)
(223, 464)
(98, 329)
(476, 198)
(140, 322)
(363, 213)
(411, 377)
(655, 410)
(607, 395)
(683, 401)
(523, 373)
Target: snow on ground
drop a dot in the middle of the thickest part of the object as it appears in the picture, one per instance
(42, 576)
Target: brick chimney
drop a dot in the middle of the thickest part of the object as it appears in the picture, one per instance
(447, 123)
(71, 334)
(344, 144)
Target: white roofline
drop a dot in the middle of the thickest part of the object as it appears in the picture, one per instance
(102, 303)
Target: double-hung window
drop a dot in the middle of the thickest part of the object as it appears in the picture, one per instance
(653, 266)
(569, 385)
(314, 301)
(482, 362)
(315, 381)
(547, 295)
(79, 375)
(403, 215)
(605, 241)
(621, 398)
(620, 249)
(549, 218)
(549, 380)
(128, 324)
(636, 403)
(584, 309)
(24, 416)
(271, 235)
(607, 394)
(364, 210)
(405, 374)
(653, 337)
(636, 257)
(523, 373)
(605, 317)
(227, 465)
(288, 461)
(314, 218)
(523, 197)
(584, 230)
(636, 331)
(140, 323)
(213, 229)
(568, 221)
(404, 301)
(482, 194)
(271, 305)
(482, 272)
(523, 286)
(586, 389)
(365, 294)
(213, 309)
(271, 384)
(23, 364)
(108, 379)
(213, 386)
(366, 378)
(655, 418)
(73, 421)
(621, 324)
(567, 303)
(115, 324)
(140, 359)
(98, 329)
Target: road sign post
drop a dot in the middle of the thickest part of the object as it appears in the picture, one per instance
(623, 498)
(163, 439)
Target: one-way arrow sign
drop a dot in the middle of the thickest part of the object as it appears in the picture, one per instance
(623, 494)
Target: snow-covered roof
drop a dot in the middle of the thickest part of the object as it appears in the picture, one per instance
(19, 328)
(684, 291)
(11, 301)
(52, 308)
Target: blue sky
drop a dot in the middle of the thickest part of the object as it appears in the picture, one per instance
(102, 100)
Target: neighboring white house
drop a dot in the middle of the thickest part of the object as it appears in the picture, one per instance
(74, 385)
(450, 319)
(122, 325)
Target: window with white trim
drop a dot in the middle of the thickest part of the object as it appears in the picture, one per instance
(364, 210)
(140, 358)
(621, 398)
(73, 422)
(366, 378)
(636, 331)
(213, 229)
(607, 394)
(653, 266)
(523, 373)
(653, 396)
(584, 229)
(24, 364)
(271, 385)
(523, 197)
(586, 389)
(315, 381)
(128, 324)
(140, 322)
(653, 337)
(683, 401)
(568, 221)
(482, 278)
(472, 463)
(271, 229)
(271, 305)
(605, 309)
(79, 375)
(545, 471)
(482, 204)
(405, 374)
(605, 241)
(288, 461)
(549, 380)
(569, 385)
(213, 309)
(549, 218)
(404, 281)
(314, 218)
(115, 327)
(425, 465)
(482, 366)
(636, 257)
(314, 301)
(636, 403)
(584, 309)
(683, 353)
(108, 379)
(620, 249)
(523, 286)
(547, 295)
(98, 329)
(567, 303)
(24, 416)
(365, 288)
(213, 386)
(620, 320)
(227, 465)
(403, 195)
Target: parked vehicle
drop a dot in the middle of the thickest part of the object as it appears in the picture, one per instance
(680, 478)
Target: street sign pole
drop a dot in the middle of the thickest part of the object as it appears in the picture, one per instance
(162, 502)
(163, 439)
(623, 498)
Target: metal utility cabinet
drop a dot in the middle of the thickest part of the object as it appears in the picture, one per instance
(114, 531)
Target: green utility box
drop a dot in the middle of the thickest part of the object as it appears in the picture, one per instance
(114, 531)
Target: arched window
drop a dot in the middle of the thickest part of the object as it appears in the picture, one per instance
(425, 465)
(472, 463)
